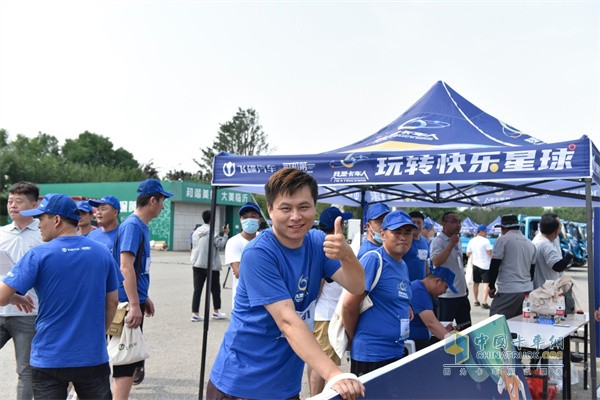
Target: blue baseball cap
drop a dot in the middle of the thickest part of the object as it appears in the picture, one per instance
(481, 228)
(447, 276)
(249, 206)
(56, 204)
(426, 225)
(152, 186)
(110, 200)
(377, 210)
(329, 215)
(84, 206)
(397, 219)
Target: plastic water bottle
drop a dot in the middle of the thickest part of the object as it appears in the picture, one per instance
(526, 309)
(560, 308)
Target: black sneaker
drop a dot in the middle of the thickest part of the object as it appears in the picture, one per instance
(138, 376)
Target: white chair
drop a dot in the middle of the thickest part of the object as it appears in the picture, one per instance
(409, 345)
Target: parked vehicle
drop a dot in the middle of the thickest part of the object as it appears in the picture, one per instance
(577, 241)
(530, 225)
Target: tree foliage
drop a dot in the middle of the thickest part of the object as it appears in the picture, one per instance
(242, 135)
(92, 149)
(41, 159)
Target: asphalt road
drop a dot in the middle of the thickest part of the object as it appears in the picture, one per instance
(175, 343)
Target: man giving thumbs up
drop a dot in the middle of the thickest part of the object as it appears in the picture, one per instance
(270, 334)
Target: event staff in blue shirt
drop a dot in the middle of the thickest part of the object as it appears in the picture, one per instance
(270, 334)
(76, 283)
(425, 328)
(375, 214)
(417, 258)
(107, 215)
(132, 252)
(377, 335)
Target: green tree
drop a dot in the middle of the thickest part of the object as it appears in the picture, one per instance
(41, 160)
(242, 135)
(92, 149)
(149, 170)
(181, 175)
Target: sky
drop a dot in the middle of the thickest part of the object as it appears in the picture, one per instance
(159, 77)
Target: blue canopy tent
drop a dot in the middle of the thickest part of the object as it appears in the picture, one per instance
(468, 227)
(443, 151)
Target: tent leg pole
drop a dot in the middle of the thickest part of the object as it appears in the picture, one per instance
(211, 248)
(591, 284)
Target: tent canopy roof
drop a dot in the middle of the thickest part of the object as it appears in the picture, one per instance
(443, 151)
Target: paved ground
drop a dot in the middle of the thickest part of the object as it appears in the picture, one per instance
(175, 343)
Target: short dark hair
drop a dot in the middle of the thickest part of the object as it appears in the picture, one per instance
(144, 199)
(549, 224)
(417, 214)
(289, 181)
(445, 216)
(66, 220)
(31, 190)
(206, 216)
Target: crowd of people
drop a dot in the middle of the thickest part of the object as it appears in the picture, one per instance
(287, 282)
(61, 283)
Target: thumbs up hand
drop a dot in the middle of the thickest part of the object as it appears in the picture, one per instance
(335, 245)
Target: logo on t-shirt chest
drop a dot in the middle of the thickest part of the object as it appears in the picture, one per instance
(301, 291)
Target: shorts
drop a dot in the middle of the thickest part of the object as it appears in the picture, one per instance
(322, 337)
(481, 275)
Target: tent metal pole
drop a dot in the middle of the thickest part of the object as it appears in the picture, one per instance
(363, 203)
(211, 248)
(591, 284)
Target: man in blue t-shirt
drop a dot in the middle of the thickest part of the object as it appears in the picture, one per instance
(270, 335)
(417, 258)
(425, 323)
(377, 335)
(76, 283)
(107, 215)
(132, 252)
(375, 214)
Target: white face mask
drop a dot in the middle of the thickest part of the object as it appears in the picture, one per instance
(250, 225)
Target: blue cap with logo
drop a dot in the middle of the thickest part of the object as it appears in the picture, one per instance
(329, 215)
(84, 206)
(482, 228)
(447, 276)
(56, 204)
(110, 200)
(249, 206)
(152, 186)
(377, 210)
(397, 219)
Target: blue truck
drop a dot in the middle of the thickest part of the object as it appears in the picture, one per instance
(571, 238)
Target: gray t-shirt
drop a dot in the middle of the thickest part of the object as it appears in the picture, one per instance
(517, 254)
(545, 257)
(454, 262)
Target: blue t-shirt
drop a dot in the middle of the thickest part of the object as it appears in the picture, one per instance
(421, 301)
(108, 238)
(416, 259)
(131, 233)
(382, 329)
(71, 276)
(365, 247)
(255, 360)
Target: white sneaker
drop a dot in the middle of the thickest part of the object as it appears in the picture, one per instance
(219, 315)
(196, 318)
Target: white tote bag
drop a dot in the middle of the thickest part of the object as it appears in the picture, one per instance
(128, 348)
(336, 332)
